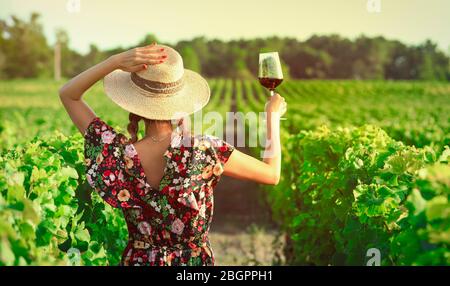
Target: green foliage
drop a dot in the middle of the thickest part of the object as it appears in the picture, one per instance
(351, 189)
(344, 190)
(47, 215)
(415, 113)
(425, 236)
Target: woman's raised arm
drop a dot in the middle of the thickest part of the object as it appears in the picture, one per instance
(267, 171)
(131, 61)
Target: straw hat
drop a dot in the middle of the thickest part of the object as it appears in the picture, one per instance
(163, 91)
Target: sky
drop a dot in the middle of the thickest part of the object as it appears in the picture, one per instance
(109, 24)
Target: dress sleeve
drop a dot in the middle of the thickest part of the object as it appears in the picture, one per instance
(104, 161)
(98, 137)
(220, 149)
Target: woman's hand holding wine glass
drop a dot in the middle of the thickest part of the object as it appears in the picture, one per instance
(276, 104)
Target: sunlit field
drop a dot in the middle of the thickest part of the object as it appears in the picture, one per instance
(365, 165)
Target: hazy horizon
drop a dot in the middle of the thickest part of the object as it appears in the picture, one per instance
(111, 24)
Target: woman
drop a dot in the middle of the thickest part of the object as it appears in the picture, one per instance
(164, 182)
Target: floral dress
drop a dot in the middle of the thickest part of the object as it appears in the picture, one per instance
(169, 225)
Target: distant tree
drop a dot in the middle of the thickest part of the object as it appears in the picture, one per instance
(370, 57)
(423, 62)
(2, 64)
(426, 69)
(71, 61)
(24, 48)
(306, 62)
(341, 50)
(94, 56)
(218, 60)
(285, 69)
(190, 58)
(433, 63)
(147, 40)
(25, 53)
(252, 49)
(200, 46)
(237, 67)
(402, 63)
(3, 43)
(448, 64)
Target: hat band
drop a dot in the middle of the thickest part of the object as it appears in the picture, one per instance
(156, 86)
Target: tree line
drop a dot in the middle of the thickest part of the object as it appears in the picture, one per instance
(26, 53)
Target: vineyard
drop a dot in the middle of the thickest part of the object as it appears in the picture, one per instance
(366, 164)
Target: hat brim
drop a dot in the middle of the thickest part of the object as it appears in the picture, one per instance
(192, 97)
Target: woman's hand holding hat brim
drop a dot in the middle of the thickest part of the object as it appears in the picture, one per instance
(139, 58)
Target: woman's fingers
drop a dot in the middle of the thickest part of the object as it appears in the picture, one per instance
(153, 61)
(137, 68)
(147, 55)
(148, 60)
(151, 49)
(153, 56)
(141, 66)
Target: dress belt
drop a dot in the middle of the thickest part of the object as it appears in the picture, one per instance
(138, 244)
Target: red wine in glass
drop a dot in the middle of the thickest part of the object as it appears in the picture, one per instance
(270, 83)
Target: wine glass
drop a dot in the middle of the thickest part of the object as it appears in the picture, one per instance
(270, 74)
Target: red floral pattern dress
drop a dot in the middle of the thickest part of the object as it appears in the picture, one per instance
(169, 225)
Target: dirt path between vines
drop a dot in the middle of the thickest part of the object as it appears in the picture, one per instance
(242, 232)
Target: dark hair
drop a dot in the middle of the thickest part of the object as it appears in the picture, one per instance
(133, 125)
